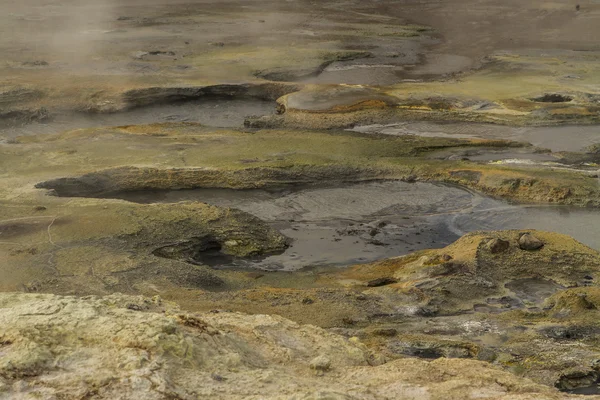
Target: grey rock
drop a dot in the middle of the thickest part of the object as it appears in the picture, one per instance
(529, 242)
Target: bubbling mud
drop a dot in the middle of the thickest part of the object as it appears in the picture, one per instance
(369, 221)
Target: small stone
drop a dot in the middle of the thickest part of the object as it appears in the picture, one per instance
(529, 242)
(320, 364)
(498, 246)
(411, 178)
(307, 300)
(138, 55)
(381, 282)
(446, 257)
(39, 208)
(133, 307)
(375, 359)
(218, 378)
(36, 63)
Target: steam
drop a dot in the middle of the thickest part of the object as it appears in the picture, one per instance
(56, 31)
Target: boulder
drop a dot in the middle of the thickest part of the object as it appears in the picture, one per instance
(529, 242)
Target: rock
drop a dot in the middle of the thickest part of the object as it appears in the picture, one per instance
(529, 242)
(578, 379)
(218, 378)
(498, 246)
(139, 55)
(381, 282)
(320, 364)
(446, 257)
(476, 275)
(411, 178)
(162, 53)
(154, 353)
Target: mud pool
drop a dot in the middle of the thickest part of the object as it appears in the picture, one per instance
(554, 138)
(368, 221)
(224, 113)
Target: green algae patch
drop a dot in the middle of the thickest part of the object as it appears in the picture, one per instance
(172, 156)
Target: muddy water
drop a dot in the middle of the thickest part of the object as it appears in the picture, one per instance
(369, 221)
(215, 112)
(388, 71)
(556, 138)
(595, 389)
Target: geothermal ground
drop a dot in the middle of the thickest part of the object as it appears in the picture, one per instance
(299, 200)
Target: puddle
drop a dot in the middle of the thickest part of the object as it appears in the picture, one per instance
(594, 389)
(359, 74)
(580, 382)
(370, 221)
(214, 112)
(555, 138)
(390, 70)
(524, 156)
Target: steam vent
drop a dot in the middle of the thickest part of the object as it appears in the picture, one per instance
(303, 200)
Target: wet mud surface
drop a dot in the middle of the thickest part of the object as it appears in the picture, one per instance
(369, 221)
(214, 112)
(554, 138)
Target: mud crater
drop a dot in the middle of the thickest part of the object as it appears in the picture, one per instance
(204, 250)
(340, 224)
(553, 98)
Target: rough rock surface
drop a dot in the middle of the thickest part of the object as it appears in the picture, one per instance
(120, 347)
(529, 242)
(498, 245)
(479, 273)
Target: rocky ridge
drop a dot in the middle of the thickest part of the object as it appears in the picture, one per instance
(123, 347)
